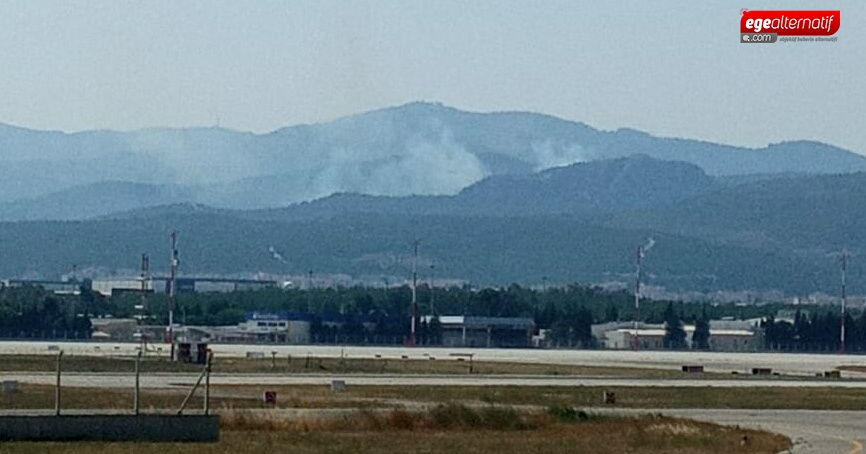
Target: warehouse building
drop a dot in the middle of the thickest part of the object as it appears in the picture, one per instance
(488, 332)
(652, 338)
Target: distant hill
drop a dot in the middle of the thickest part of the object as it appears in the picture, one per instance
(586, 189)
(480, 250)
(93, 200)
(414, 149)
(811, 215)
(495, 197)
(576, 223)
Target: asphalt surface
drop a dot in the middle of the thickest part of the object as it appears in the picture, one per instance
(812, 431)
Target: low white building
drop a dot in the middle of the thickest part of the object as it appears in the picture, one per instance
(117, 286)
(279, 327)
(652, 338)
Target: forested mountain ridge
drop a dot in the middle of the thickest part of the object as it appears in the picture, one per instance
(415, 149)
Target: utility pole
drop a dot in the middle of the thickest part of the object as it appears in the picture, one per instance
(310, 294)
(432, 293)
(142, 309)
(844, 261)
(413, 309)
(635, 341)
(74, 282)
(172, 289)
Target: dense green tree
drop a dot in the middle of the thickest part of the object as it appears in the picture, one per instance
(675, 334)
(701, 336)
(435, 331)
(611, 313)
(32, 312)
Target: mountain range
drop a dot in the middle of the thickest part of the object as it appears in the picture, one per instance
(414, 149)
(495, 198)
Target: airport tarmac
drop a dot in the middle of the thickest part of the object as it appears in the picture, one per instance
(726, 362)
(811, 431)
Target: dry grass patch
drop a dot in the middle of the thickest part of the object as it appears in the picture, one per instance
(444, 365)
(372, 397)
(457, 428)
(31, 396)
(440, 417)
(400, 431)
(73, 363)
(319, 396)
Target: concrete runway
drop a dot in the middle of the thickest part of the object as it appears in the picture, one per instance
(783, 363)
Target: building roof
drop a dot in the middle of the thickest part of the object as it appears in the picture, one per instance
(688, 329)
(325, 317)
(476, 321)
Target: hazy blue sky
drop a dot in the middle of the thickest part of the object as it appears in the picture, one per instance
(673, 70)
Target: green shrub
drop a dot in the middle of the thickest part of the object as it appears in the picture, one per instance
(567, 414)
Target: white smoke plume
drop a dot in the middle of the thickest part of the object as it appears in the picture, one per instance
(276, 255)
(548, 155)
(642, 250)
(649, 245)
(423, 165)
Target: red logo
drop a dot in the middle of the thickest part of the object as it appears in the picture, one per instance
(790, 23)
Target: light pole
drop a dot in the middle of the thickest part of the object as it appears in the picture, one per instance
(635, 340)
(844, 261)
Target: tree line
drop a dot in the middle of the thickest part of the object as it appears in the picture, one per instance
(371, 315)
(818, 331)
(33, 313)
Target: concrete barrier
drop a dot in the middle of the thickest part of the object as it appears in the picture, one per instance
(141, 428)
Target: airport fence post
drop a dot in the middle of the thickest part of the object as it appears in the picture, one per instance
(136, 402)
(207, 383)
(57, 386)
(192, 390)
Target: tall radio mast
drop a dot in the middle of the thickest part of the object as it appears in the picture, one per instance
(142, 308)
(413, 310)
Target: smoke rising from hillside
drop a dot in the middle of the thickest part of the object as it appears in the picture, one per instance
(547, 155)
(424, 166)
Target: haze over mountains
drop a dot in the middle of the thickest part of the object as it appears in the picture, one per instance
(414, 149)
(496, 198)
